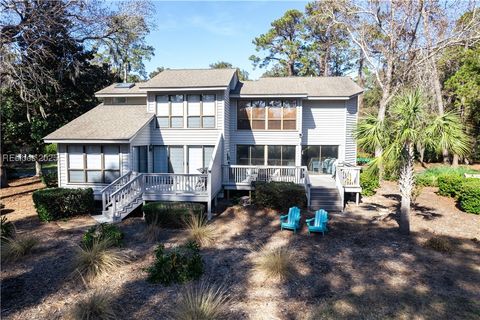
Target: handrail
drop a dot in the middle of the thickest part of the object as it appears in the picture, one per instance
(115, 181)
(261, 166)
(129, 183)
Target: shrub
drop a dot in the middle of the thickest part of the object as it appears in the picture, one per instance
(50, 178)
(199, 230)
(369, 183)
(97, 305)
(103, 231)
(20, 246)
(7, 229)
(201, 302)
(450, 184)
(97, 259)
(439, 244)
(60, 203)
(469, 196)
(279, 195)
(275, 263)
(176, 265)
(50, 148)
(171, 214)
(428, 178)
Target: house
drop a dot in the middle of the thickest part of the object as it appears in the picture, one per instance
(194, 134)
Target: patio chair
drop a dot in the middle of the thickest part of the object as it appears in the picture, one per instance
(291, 220)
(319, 223)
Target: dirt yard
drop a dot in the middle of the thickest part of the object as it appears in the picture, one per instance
(362, 268)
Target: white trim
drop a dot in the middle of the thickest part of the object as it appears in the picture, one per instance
(268, 95)
(119, 94)
(85, 141)
(328, 98)
(163, 89)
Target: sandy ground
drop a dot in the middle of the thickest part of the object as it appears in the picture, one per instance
(362, 269)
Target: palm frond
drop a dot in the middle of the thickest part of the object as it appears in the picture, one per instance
(446, 132)
(371, 133)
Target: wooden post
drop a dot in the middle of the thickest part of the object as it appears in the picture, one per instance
(357, 197)
(209, 210)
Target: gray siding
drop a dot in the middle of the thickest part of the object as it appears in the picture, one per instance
(324, 124)
(227, 127)
(351, 124)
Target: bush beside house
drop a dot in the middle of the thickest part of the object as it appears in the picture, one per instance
(171, 214)
(50, 179)
(279, 195)
(177, 265)
(103, 231)
(60, 203)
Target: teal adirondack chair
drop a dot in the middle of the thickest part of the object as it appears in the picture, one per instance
(291, 220)
(319, 223)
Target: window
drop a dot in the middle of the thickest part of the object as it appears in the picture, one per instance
(93, 163)
(319, 159)
(281, 155)
(140, 154)
(201, 111)
(119, 100)
(250, 155)
(170, 111)
(260, 115)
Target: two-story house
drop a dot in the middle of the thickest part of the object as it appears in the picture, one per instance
(189, 135)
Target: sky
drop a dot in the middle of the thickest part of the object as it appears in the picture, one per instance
(196, 34)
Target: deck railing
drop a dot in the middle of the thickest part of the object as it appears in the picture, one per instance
(175, 183)
(245, 175)
(349, 176)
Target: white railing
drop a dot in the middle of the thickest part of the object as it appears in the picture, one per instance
(172, 183)
(245, 175)
(126, 194)
(349, 176)
(112, 187)
(214, 172)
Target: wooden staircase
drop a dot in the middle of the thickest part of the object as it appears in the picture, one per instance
(325, 197)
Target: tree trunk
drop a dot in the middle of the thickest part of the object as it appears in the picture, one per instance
(38, 168)
(3, 173)
(437, 86)
(291, 69)
(361, 80)
(455, 160)
(406, 182)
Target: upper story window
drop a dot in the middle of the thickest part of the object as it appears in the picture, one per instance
(266, 115)
(199, 110)
(170, 111)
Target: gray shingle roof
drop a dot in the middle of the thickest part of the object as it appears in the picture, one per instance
(105, 122)
(190, 78)
(112, 90)
(310, 86)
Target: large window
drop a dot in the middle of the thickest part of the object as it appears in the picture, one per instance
(281, 155)
(170, 111)
(320, 159)
(200, 111)
(266, 115)
(250, 155)
(261, 155)
(93, 163)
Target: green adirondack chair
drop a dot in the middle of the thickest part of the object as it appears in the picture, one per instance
(319, 223)
(291, 220)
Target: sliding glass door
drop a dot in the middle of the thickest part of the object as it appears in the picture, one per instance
(319, 159)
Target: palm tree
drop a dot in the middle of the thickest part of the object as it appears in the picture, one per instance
(409, 124)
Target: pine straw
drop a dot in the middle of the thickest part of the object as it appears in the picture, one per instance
(201, 302)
